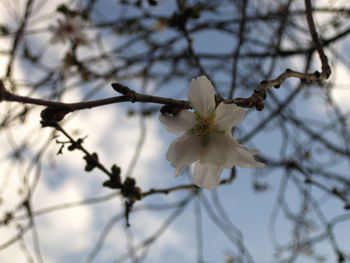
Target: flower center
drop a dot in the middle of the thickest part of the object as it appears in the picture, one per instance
(69, 28)
(203, 127)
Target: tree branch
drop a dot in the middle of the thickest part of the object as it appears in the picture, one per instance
(326, 70)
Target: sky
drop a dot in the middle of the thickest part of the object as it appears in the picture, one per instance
(69, 235)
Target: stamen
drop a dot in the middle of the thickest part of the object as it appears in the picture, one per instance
(204, 126)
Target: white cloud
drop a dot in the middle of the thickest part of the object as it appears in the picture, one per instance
(341, 91)
(110, 133)
(66, 229)
(143, 225)
(114, 136)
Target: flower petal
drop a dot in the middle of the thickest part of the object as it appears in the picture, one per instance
(183, 151)
(227, 116)
(217, 149)
(241, 156)
(202, 96)
(206, 175)
(180, 123)
(246, 158)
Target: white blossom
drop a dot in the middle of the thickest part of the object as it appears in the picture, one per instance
(71, 28)
(206, 138)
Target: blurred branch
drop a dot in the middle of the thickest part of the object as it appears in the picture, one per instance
(255, 100)
(326, 69)
(307, 148)
(18, 36)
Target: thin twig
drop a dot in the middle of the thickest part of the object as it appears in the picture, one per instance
(132, 96)
(326, 70)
